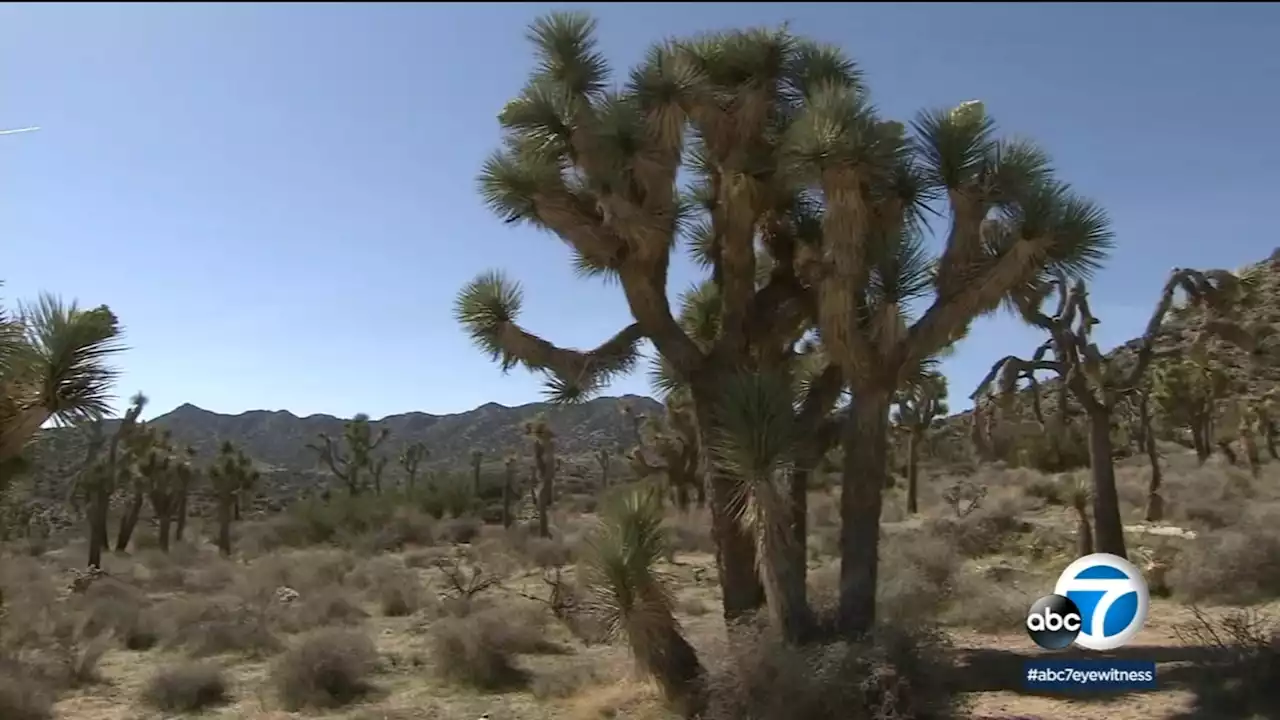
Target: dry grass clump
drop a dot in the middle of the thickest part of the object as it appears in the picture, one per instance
(690, 532)
(22, 695)
(479, 650)
(397, 590)
(186, 687)
(1239, 671)
(325, 669)
(217, 625)
(986, 530)
(1238, 565)
(895, 673)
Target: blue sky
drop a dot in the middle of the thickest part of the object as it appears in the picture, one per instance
(279, 200)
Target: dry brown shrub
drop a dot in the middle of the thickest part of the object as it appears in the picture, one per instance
(325, 669)
(186, 687)
(479, 650)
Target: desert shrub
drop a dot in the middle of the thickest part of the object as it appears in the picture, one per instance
(218, 625)
(109, 607)
(327, 668)
(1238, 565)
(327, 607)
(479, 650)
(1047, 488)
(397, 589)
(917, 572)
(894, 673)
(548, 552)
(690, 532)
(186, 687)
(978, 603)
(982, 532)
(1238, 670)
(459, 530)
(306, 571)
(22, 696)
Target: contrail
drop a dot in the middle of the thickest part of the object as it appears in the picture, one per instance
(15, 131)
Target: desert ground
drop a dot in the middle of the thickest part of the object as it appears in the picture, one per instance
(450, 618)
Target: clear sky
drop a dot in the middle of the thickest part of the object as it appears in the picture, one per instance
(279, 200)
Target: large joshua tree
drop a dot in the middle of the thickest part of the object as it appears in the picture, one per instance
(801, 203)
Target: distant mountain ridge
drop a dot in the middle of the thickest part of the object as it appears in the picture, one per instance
(277, 439)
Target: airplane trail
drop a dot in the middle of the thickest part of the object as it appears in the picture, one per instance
(15, 131)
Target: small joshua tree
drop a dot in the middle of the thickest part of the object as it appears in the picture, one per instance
(511, 466)
(918, 405)
(230, 474)
(477, 458)
(410, 460)
(1185, 391)
(544, 465)
(627, 593)
(351, 464)
(103, 472)
(604, 459)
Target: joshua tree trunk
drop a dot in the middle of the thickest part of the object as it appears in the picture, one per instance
(180, 526)
(235, 508)
(129, 521)
(1224, 446)
(735, 548)
(164, 516)
(1155, 503)
(1084, 534)
(1106, 511)
(913, 464)
(544, 506)
(682, 497)
(800, 519)
(508, 493)
(675, 666)
(224, 525)
(98, 523)
(866, 443)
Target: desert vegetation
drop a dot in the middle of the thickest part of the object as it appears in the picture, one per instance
(799, 530)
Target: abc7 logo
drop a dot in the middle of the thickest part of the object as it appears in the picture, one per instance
(1099, 603)
(1054, 622)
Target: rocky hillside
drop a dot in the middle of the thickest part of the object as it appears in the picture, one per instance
(277, 440)
(1250, 373)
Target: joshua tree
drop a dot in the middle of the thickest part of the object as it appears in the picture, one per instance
(812, 208)
(54, 365)
(350, 465)
(1186, 390)
(1147, 439)
(1096, 383)
(627, 593)
(544, 465)
(675, 443)
(603, 459)
(167, 491)
(188, 476)
(103, 472)
(146, 464)
(229, 474)
(510, 467)
(477, 457)
(410, 458)
(918, 405)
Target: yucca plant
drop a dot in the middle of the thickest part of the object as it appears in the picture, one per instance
(55, 364)
(632, 599)
(758, 435)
